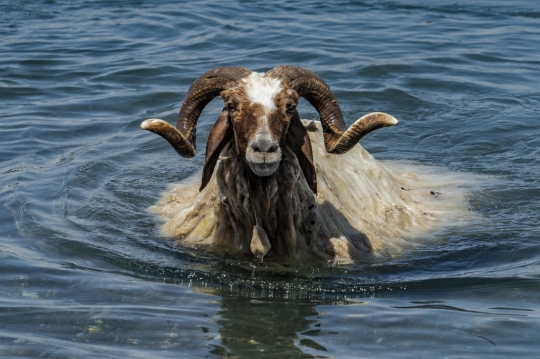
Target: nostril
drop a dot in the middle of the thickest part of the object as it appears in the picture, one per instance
(255, 147)
(264, 145)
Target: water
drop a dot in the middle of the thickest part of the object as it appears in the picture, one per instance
(84, 272)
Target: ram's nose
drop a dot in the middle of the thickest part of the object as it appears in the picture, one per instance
(264, 144)
(263, 155)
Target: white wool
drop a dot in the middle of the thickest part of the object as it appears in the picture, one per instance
(363, 207)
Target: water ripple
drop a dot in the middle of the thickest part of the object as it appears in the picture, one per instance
(85, 271)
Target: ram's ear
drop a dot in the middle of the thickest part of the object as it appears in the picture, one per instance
(300, 143)
(219, 136)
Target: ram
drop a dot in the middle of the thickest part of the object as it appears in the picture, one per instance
(270, 196)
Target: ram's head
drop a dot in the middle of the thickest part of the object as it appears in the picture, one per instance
(260, 116)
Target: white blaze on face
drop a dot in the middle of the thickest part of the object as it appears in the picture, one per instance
(262, 90)
(263, 153)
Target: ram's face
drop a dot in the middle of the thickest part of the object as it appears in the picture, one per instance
(260, 109)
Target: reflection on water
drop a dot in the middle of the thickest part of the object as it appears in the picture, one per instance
(263, 328)
(124, 316)
(292, 325)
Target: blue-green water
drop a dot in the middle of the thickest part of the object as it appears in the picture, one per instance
(84, 272)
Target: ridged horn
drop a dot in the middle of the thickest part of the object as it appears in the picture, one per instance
(337, 138)
(207, 87)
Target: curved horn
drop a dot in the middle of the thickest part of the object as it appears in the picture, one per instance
(337, 138)
(207, 87)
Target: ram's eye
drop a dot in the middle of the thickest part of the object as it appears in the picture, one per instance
(231, 106)
(290, 107)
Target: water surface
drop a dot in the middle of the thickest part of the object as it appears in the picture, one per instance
(84, 271)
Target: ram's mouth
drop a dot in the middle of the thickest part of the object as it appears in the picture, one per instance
(263, 164)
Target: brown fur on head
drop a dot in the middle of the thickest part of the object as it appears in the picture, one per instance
(260, 111)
